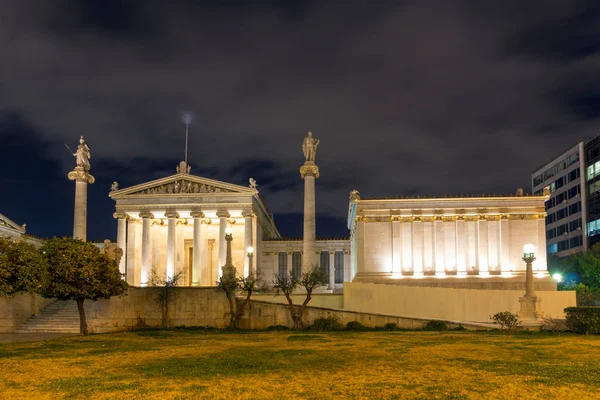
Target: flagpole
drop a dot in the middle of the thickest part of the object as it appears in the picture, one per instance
(186, 142)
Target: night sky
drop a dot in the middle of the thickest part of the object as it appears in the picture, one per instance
(407, 98)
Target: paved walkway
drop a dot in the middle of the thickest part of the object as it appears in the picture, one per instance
(31, 337)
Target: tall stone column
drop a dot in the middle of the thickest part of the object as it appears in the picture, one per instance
(122, 238)
(477, 238)
(223, 215)
(332, 270)
(171, 224)
(247, 239)
(309, 172)
(196, 255)
(81, 175)
(146, 248)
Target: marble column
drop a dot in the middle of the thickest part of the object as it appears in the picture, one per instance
(477, 245)
(499, 239)
(396, 245)
(309, 172)
(146, 247)
(247, 239)
(82, 178)
(196, 252)
(122, 239)
(222, 215)
(347, 274)
(332, 270)
(418, 268)
(171, 224)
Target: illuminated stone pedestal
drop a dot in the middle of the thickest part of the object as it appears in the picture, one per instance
(530, 308)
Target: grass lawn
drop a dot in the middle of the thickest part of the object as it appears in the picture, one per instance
(286, 365)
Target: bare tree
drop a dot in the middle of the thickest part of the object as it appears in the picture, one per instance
(289, 282)
(231, 284)
(164, 295)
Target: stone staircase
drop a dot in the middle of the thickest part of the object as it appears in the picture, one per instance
(59, 316)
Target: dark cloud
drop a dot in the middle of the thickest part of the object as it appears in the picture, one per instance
(425, 97)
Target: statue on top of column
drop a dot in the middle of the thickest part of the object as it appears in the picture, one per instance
(83, 155)
(309, 147)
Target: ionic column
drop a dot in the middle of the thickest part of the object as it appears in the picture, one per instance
(196, 252)
(499, 243)
(82, 177)
(433, 244)
(309, 172)
(172, 223)
(347, 273)
(147, 218)
(223, 215)
(440, 267)
(122, 238)
(456, 244)
(418, 268)
(477, 244)
(396, 245)
(332, 270)
(248, 215)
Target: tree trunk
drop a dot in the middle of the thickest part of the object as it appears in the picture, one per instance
(241, 308)
(231, 299)
(82, 321)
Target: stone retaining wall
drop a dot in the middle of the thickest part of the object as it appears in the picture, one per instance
(189, 306)
(261, 315)
(18, 309)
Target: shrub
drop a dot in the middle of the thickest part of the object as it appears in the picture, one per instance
(278, 328)
(459, 328)
(391, 326)
(507, 320)
(355, 326)
(583, 320)
(435, 325)
(326, 324)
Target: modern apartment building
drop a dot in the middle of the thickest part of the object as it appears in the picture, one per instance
(568, 223)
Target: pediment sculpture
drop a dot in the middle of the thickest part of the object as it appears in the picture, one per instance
(183, 187)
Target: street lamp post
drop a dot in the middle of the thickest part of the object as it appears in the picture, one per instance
(530, 303)
(250, 251)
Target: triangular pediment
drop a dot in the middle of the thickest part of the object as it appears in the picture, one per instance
(7, 223)
(182, 184)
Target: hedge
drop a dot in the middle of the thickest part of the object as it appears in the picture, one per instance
(583, 319)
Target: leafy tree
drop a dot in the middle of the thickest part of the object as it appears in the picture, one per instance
(288, 283)
(22, 267)
(231, 284)
(78, 271)
(588, 264)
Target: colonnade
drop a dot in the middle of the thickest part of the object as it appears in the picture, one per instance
(126, 240)
(438, 245)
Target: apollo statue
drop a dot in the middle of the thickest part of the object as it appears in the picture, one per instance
(309, 147)
(83, 155)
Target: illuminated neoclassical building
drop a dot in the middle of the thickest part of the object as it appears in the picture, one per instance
(461, 239)
(177, 225)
